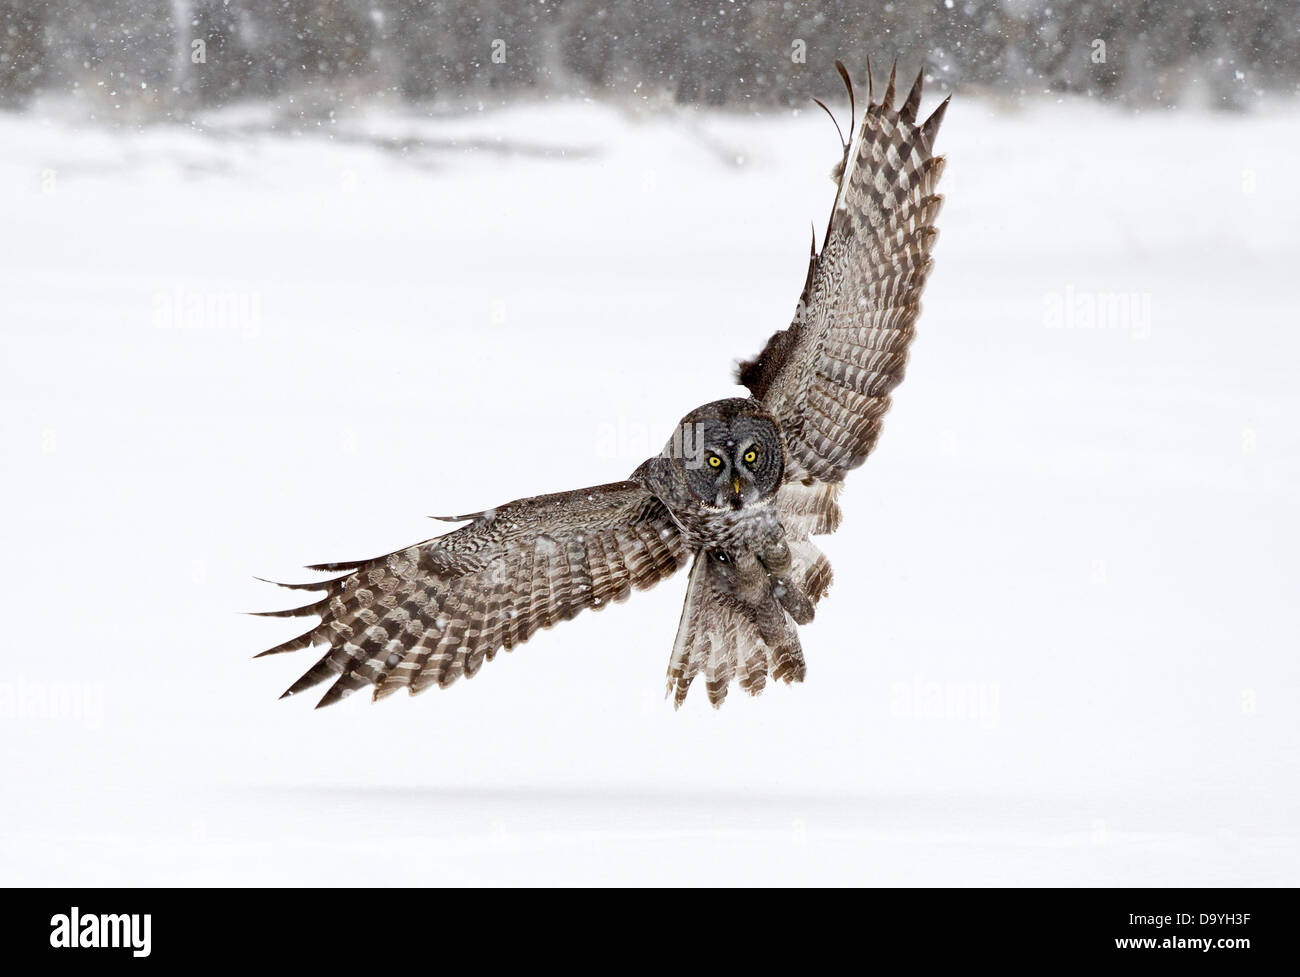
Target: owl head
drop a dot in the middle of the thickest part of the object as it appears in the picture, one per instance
(729, 453)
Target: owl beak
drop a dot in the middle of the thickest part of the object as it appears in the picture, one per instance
(735, 484)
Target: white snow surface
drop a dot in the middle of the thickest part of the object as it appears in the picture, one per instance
(1061, 644)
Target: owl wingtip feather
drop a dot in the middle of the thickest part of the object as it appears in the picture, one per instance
(306, 610)
(913, 101)
(329, 698)
(336, 567)
(467, 517)
(309, 585)
(887, 100)
(304, 640)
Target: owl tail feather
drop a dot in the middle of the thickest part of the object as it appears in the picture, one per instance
(727, 637)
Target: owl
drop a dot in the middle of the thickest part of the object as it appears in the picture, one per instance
(738, 493)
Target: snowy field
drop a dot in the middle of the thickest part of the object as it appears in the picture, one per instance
(1061, 645)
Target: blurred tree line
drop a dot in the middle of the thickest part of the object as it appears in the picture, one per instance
(164, 57)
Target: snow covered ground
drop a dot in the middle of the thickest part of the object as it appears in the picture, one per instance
(1061, 645)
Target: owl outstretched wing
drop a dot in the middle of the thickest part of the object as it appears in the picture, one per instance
(435, 611)
(827, 378)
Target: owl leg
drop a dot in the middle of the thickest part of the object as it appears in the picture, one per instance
(811, 571)
(751, 578)
(777, 561)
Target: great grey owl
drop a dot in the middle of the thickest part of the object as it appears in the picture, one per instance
(739, 489)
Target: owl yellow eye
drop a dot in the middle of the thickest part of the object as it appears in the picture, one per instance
(751, 456)
(715, 461)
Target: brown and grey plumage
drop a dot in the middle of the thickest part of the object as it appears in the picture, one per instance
(740, 488)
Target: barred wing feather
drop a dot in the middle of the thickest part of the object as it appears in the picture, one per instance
(829, 375)
(430, 613)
